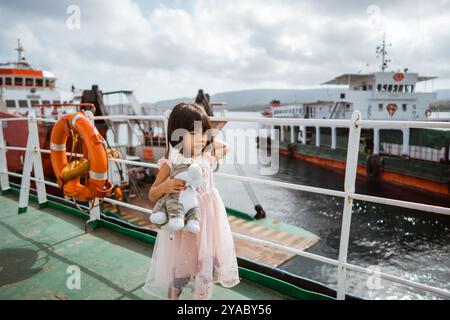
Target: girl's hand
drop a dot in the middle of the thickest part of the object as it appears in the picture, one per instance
(173, 185)
(220, 148)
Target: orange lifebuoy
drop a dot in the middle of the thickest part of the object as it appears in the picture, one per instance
(96, 185)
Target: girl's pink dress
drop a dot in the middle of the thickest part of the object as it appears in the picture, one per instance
(194, 262)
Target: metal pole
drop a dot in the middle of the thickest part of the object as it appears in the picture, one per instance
(4, 178)
(333, 137)
(405, 145)
(94, 214)
(317, 136)
(349, 189)
(33, 161)
(376, 141)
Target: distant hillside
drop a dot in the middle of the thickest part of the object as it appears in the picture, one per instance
(258, 99)
(239, 100)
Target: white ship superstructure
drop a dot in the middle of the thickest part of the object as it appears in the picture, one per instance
(22, 87)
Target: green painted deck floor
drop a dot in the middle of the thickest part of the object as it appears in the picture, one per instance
(38, 247)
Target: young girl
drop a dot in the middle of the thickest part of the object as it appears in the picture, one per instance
(188, 265)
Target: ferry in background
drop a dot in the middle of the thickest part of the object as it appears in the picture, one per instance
(415, 158)
(22, 87)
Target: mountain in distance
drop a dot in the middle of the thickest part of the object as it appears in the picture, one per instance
(259, 99)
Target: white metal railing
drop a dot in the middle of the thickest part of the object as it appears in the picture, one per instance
(355, 124)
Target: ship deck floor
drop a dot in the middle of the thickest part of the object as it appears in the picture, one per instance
(38, 247)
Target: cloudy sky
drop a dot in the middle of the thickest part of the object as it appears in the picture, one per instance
(169, 49)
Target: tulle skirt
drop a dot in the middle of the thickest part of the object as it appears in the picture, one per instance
(193, 263)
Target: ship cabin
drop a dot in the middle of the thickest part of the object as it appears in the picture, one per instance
(382, 96)
(22, 87)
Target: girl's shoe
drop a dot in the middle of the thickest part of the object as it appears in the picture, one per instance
(174, 293)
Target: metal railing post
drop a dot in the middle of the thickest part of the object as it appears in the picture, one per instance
(94, 215)
(33, 161)
(166, 115)
(349, 189)
(4, 178)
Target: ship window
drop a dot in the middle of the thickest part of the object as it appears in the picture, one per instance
(379, 88)
(23, 104)
(412, 88)
(384, 88)
(56, 101)
(18, 81)
(8, 81)
(395, 87)
(47, 83)
(347, 106)
(39, 82)
(11, 103)
(1, 81)
(364, 88)
(29, 82)
(404, 106)
(45, 102)
(370, 87)
(380, 107)
(52, 83)
(34, 102)
(342, 95)
(390, 88)
(400, 88)
(406, 88)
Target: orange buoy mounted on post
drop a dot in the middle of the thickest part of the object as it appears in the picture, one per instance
(94, 162)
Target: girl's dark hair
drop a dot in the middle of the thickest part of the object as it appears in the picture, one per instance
(184, 116)
(202, 100)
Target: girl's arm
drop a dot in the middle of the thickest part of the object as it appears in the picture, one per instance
(164, 184)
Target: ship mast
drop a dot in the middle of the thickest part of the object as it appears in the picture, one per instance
(19, 50)
(381, 51)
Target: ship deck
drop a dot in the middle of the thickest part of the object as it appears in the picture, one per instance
(38, 247)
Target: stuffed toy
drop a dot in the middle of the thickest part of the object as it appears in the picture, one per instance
(174, 212)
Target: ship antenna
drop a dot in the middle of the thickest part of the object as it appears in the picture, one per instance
(19, 50)
(381, 51)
